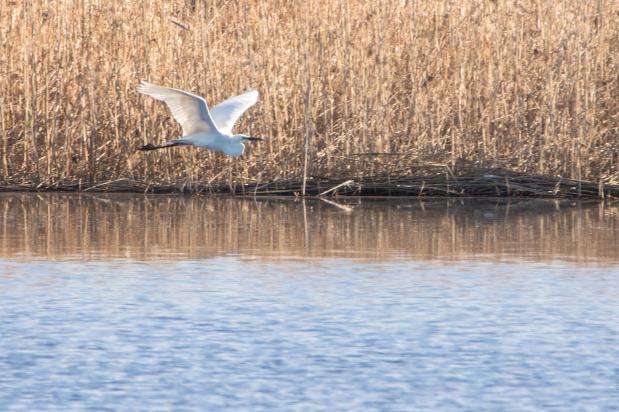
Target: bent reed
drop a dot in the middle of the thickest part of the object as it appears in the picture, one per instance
(371, 89)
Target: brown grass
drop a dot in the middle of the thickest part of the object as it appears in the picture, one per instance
(373, 87)
(429, 183)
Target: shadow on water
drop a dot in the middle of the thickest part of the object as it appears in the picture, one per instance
(72, 226)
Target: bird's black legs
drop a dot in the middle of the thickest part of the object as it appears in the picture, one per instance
(171, 143)
(150, 146)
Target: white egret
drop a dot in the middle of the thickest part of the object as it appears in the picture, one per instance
(211, 129)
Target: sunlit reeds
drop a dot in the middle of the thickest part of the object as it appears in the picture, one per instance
(374, 87)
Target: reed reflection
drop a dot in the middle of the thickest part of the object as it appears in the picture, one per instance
(68, 226)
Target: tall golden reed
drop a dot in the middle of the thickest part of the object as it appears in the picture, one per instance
(376, 86)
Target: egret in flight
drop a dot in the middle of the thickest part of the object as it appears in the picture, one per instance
(211, 129)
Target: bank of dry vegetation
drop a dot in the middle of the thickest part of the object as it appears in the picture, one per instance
(381, 90)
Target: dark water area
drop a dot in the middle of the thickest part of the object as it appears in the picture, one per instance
(126, 302)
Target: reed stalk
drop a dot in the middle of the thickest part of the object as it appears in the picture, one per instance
(349, 90)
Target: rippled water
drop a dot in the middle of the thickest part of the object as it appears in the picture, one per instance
(169, 303)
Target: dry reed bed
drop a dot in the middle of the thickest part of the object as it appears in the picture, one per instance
(374, 87)
(478, 183)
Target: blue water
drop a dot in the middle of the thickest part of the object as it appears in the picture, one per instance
(138, 303)
(240, 333)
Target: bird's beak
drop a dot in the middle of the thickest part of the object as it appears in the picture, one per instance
(253, 139)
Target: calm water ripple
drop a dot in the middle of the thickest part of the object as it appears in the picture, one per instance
(89, 323)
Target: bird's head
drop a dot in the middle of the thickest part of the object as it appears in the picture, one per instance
(238, 148)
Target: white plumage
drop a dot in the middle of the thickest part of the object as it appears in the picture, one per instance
(201, 127)
(226, 113)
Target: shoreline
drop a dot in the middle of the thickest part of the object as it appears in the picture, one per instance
(476, 183)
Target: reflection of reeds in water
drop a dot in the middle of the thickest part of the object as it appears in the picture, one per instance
(154, 227)
(379, 86)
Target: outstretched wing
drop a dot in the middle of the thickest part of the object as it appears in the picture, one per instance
(226, 113)
(189, 110)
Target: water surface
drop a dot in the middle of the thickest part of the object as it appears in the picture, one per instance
(132, 302)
